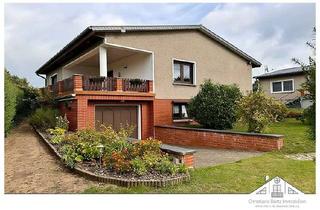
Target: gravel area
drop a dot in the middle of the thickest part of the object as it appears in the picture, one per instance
(302, 156)
(31, 168)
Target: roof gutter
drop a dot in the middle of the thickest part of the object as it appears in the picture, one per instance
(41, 76)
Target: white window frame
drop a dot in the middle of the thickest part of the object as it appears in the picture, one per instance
(55, 74)
(282, 87)
(194, 72)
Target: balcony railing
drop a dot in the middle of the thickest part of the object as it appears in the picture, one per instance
(68, 84)
(99, 83)
(86, 83)
(55, 88)
(138, 85)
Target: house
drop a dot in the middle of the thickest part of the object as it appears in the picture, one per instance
(140, 75)
(285, 85)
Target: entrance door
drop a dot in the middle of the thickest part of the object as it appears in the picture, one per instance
(117, 117)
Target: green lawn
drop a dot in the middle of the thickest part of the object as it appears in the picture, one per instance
(295, 132)
(246, 175)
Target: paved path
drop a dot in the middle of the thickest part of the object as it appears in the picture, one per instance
(211, 157)
(31, 168)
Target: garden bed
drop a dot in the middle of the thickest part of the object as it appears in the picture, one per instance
(94, 171)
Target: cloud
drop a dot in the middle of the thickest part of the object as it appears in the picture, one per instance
(35, 35)
(35, 32)
(272, 33)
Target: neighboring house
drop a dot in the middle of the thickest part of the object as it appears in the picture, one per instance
(140, 75)
(285, 85)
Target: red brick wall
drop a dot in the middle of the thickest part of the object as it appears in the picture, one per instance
(188, 160)
(200, 138)
(163, 112)
(69, 108)
(81, 113)
(147, 120)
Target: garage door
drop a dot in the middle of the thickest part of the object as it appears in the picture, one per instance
(117, 117)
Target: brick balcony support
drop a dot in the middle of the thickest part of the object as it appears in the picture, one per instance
(118, 84)
(77, 82)
(49, 88)
(150, 86)
(60, 87)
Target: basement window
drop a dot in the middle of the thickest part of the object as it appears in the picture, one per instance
(180, 111)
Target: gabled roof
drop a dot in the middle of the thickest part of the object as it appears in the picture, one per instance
(92, 34)
(281, 72)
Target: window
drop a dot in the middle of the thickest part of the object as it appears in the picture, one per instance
(282, 86)
(287, 85)
(183, 72)
(276, 87)
(180, 111)
(54, 79)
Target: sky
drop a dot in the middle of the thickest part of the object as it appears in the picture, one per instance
(271, 33)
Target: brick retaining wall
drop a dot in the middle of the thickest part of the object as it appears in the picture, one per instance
(217, 139)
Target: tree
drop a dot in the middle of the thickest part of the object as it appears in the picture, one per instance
(256, 85)
(11, 92)
(310, 85)
(257, 111)
(215, 105)
(20, 99)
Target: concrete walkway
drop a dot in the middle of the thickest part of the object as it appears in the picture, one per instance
(31, 168)
(211, 157)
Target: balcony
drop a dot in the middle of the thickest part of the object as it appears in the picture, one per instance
(97, 84)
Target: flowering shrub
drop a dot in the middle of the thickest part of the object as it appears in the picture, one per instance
(166, 166)
(57, 135)
(70, 156)
(151, 159)
(62, 122)
(88, 150)
(258, 111)
(119, 162)
(139, 166)
(44, 118)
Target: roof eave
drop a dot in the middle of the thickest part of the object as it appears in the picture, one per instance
(279, 75)
(89, 31)
(75, 42)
